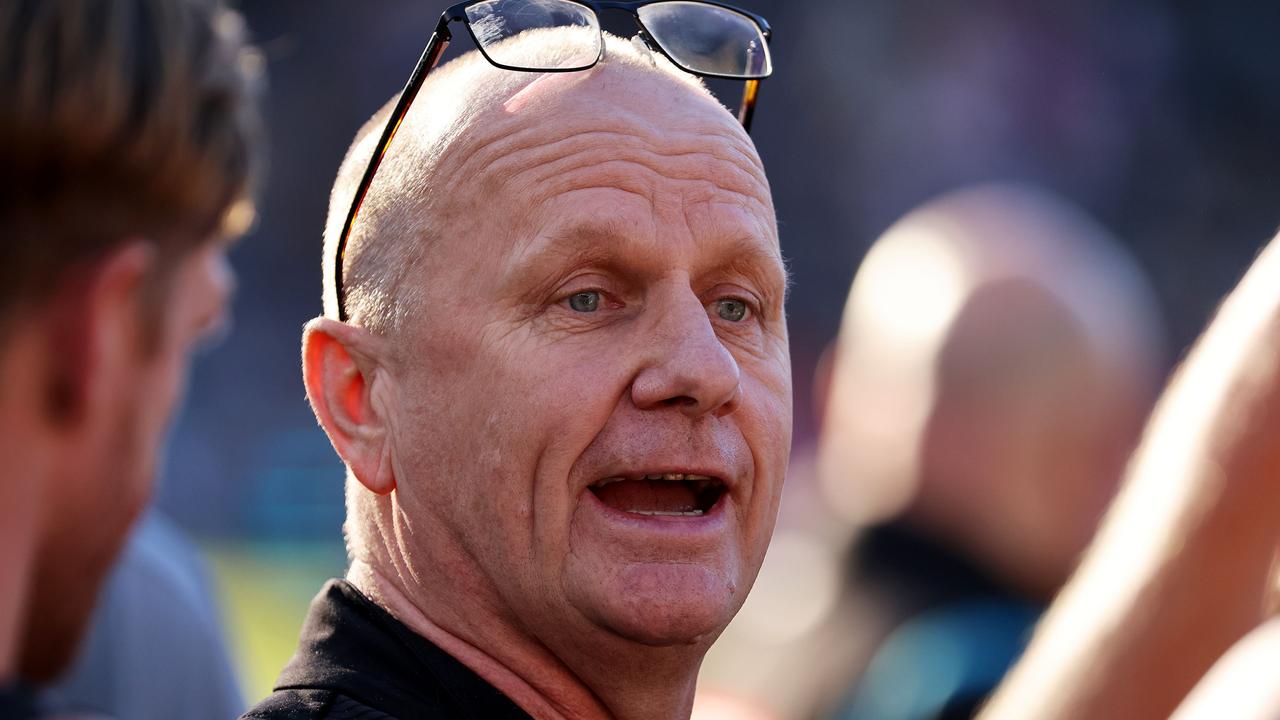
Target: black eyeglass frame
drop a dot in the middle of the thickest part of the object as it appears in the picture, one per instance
(440, 39)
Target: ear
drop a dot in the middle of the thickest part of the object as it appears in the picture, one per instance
(342, 376)
(95, 332)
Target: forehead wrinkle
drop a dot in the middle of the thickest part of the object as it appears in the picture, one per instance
(762, 224)
(625, 220)
(759, 239)
(528, 151)
(699, 230)
(587, 242)
(617, 242)
(664, 141)
(639, 181)
(626, 176)
(703, 176)
(502, 148)
(694, 166)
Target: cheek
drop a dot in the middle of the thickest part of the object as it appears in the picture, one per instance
(494, 423)
(198, 299)
(564, 398)
(160, 391)
(113, 476)
(168, 376)
(765, 420)
(560, 394)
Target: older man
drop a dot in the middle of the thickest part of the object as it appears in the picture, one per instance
(127, 134)
(563, 395)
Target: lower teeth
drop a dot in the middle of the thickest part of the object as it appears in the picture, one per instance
(666, 513)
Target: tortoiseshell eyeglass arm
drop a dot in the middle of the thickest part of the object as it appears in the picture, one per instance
(430, 57)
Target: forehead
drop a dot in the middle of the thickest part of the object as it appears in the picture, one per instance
(620, 143)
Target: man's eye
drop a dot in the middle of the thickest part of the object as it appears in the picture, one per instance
(585, 302)
(731, 309)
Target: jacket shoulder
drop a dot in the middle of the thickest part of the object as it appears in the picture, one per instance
(312, 704)
(292, 705)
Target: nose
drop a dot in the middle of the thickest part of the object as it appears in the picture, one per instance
(686, 365)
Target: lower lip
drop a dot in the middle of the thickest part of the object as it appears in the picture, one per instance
(661, 527)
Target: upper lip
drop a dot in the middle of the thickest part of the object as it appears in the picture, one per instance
(720, 475)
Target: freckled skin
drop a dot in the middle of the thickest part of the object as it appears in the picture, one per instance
(506, 403)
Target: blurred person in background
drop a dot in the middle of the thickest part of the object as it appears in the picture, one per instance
(998, 355)
(127, 138)
(554, 360)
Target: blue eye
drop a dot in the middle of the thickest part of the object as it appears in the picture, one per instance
(585, 302)
(731, 309)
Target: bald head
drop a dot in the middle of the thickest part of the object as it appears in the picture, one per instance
(474, 128)
(997, 356)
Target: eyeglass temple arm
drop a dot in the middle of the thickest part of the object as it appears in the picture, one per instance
(750, 92)
(430, 57)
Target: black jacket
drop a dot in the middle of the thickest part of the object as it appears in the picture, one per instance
(356, 661)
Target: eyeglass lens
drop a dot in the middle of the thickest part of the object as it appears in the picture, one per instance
(707, 39)
(700, 38)
(496, 24)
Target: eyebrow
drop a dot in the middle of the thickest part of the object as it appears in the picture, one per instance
(595, 243)
(757, 258)
(590, 243)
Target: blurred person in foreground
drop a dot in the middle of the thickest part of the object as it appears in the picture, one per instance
(997, 357)
(1174, 592)
(126, 146)
(563, 393)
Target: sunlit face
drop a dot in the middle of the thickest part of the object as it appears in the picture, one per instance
(593, 388)
(101, 491)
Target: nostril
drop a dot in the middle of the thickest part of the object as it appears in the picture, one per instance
(692, 372)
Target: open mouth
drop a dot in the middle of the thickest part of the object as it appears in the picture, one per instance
(661, 494)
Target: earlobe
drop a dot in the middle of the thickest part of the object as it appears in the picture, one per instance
(340, 371)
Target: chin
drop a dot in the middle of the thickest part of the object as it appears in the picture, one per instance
(62, 605)
(662, 604)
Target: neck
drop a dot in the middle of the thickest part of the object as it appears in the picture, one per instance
(612, 678)
(20, 499)
(17, 555)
